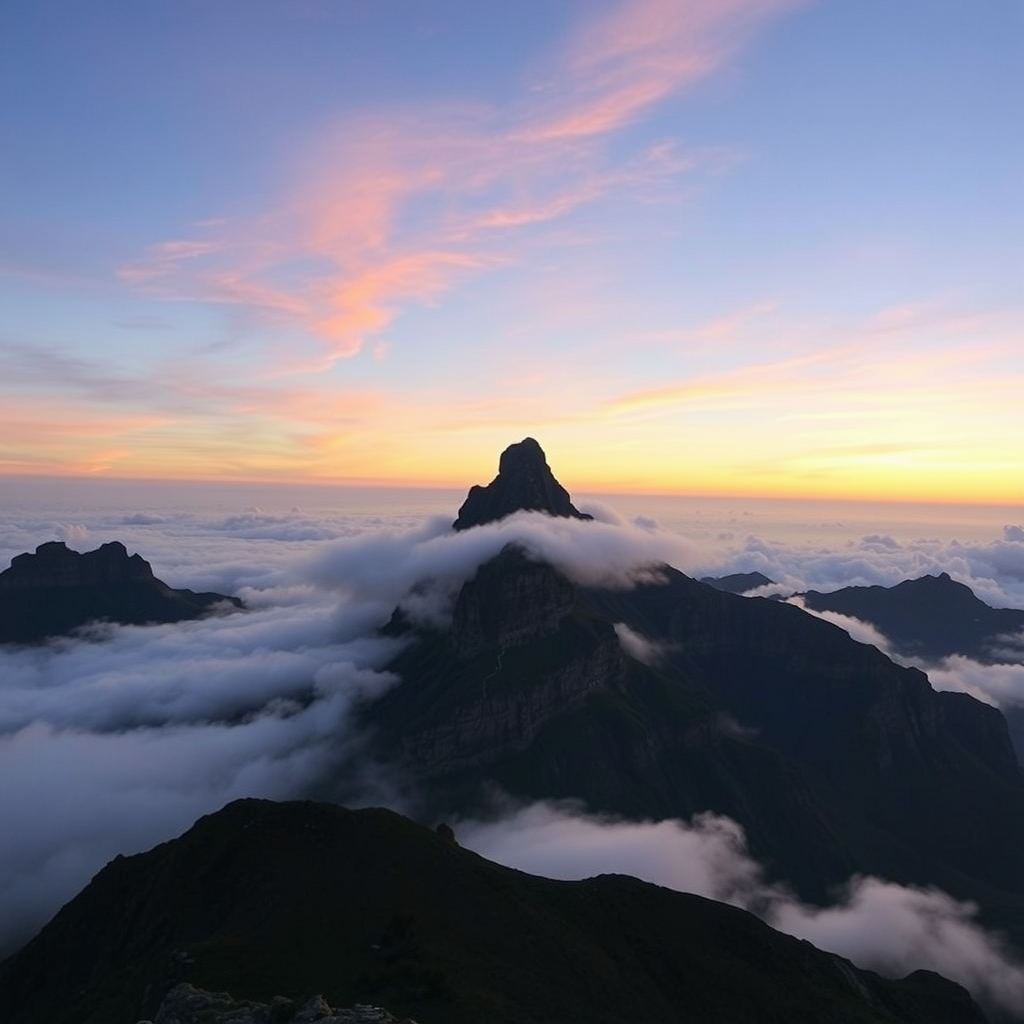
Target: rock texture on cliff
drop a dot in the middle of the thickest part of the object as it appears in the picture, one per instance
(268, 900)
(524, 483)
(56, 590)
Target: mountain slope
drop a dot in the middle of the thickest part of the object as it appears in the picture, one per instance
(265, 899)
(933, 618)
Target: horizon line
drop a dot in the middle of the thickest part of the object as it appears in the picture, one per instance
(366, 483)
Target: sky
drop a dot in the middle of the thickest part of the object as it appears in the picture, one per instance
(733, 247)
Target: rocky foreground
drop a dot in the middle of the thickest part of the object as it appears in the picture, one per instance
(186, 1004)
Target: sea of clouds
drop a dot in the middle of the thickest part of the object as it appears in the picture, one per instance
(121, 737)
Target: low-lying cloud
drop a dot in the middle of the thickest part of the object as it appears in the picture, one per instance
(118, 739)
(993, 570)
(892, 929)
(998, 684)
(642, 648)
(861, 631)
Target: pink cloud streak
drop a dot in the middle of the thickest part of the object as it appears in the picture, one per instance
(391, 210)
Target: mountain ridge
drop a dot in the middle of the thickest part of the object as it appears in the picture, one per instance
(929, 617)
(272, 899)
(56, 590)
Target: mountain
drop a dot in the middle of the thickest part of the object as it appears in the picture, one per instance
(675, 698)
(268, 900)
(738, 582)
(929, 618)
(57, 590)
(524, 482)
(935, 617)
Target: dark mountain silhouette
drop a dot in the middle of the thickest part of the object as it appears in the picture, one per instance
(834, 759)
(738, 582)
(929, 618)
(932, 618)
(524, 482)
(268, 899)
(57, 590)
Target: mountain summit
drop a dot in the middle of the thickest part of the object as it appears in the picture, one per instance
(524, 483)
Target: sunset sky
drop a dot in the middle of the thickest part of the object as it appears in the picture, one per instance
(763, 247)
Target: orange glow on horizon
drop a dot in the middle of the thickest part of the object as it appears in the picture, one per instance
(896, 487)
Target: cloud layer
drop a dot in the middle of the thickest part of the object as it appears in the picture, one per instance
(119, 738)
(888, 928)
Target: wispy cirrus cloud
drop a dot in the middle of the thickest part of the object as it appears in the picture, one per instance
(620, 66)
(395, 209)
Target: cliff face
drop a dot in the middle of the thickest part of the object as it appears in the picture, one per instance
(833, 758)
(478, 695)
(508, 603)
(56, 590)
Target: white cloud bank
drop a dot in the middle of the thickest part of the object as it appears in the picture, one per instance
(117, 740)
(889, 928)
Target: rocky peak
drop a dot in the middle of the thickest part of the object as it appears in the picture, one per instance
(54, 564)
(55, 591)
(524, 483)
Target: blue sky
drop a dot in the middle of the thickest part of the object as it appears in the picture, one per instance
(751, 246)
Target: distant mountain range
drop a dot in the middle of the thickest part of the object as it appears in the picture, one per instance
(57, 590)
(930, 618)
(661, 701)
(738, 582)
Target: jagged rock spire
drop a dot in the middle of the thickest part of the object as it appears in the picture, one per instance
(524, 483)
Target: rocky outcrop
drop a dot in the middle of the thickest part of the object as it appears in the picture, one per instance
(524, 483)
(56, 590)
(186, 1004)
